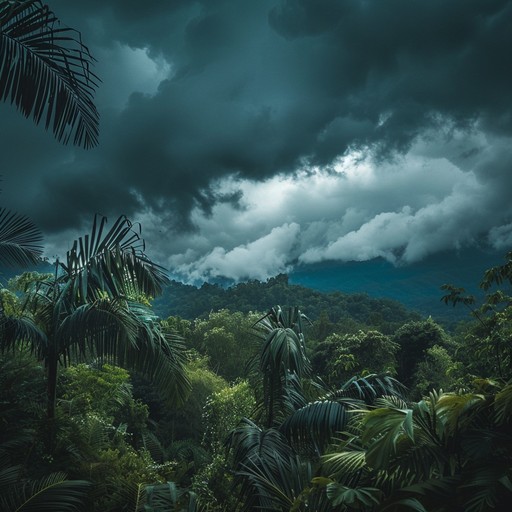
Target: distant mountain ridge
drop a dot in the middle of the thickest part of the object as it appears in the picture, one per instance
(417, 286)
(190, 302)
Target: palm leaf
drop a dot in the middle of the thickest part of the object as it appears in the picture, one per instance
(359, 498)
(169, 498)
(455, 409)
(45, 72)
(383, 429)
(51, 493)
(344, 464)
(128, 335)
(313, 426)
(370, 387)
(248, 440)
(111, 262)
(136, 497)
(19, 239)
(273, 484)
(503, 405)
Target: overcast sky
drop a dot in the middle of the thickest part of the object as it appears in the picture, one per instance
(249, 136)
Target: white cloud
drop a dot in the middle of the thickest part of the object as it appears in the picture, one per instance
(258, 259)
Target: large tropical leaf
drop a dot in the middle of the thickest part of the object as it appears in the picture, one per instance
(111, 262)
(284, 349)
(357, 498)
(370, 388)
(503, 405)
(248, 440)
(169, 498)
(272, 485)
(50, 494)
(456, 410)
(127, 334)
(45, 72)
(383, 429)
(343, 465)
(311, 427)
(19, 240)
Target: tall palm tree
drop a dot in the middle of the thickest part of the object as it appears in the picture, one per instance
(45, 72)
(280, 364)
(88, 310)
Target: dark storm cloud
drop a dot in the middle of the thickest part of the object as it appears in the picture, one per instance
(254, 89)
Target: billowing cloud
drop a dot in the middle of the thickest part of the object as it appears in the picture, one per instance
(350, 129)
(259, 259)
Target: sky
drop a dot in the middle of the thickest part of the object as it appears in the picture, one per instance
(250, 138)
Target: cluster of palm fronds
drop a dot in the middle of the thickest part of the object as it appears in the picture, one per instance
(363, 446)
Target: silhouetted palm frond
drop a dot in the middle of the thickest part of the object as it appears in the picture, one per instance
(19, 240)
(45, 72)
(111, 262)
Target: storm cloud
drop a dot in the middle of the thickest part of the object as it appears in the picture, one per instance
(249, 137)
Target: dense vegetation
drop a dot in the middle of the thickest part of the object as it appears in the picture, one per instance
(250, 409)
(190, 302)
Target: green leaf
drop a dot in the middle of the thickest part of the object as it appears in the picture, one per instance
(354, 498)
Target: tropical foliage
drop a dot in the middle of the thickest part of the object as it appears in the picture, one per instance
(45, 71)
(87, 310)
(301, 424)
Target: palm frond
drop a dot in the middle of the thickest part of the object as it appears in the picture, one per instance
(284, 349)
(269, 485)
(19, 239)
(383, 429)
(100, 328)
(45, 71)
(14, 331)
(503, 405)
(370, 387)
(248, 440)
(111, 262)
(136, 497)
(455, 409)
(343, 465)
(51, 493)
(312, 427)
(357, 498)
(126, 334)
(170, 498)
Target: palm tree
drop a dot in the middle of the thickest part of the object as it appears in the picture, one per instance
(275, 456)
(45, 71)
(280, 364)
(88, 309)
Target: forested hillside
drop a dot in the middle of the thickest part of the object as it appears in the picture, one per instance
(190, 302)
